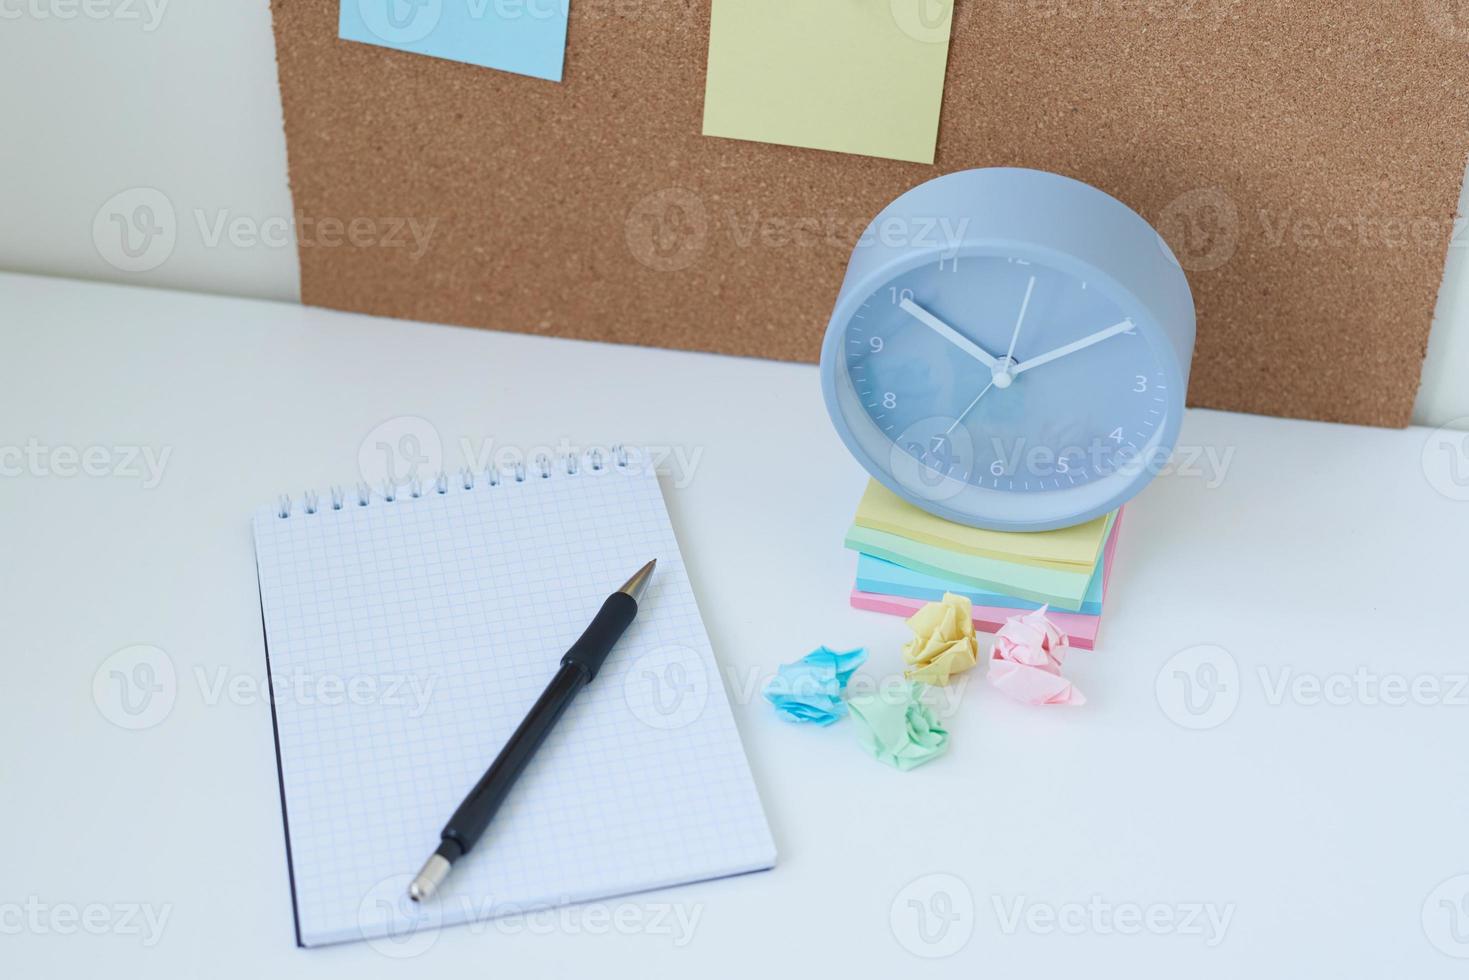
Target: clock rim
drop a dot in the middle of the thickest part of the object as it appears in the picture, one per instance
(833, 359)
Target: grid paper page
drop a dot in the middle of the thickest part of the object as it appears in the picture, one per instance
(407, 639)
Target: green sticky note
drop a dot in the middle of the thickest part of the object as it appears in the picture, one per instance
(855, 76)
(1064, 590)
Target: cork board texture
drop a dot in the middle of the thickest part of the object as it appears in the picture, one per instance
(1302, 157)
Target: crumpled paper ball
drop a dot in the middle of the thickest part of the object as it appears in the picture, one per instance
(1026, 661)
(897, 728)
(943, 641)
(810, 690)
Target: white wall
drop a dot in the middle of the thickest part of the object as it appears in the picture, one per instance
(109, 96)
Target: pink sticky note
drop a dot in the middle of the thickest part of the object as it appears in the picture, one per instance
(987, 619)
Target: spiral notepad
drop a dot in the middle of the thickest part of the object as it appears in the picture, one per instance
(408, 633)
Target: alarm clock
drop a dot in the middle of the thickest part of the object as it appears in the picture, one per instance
(1010, 349)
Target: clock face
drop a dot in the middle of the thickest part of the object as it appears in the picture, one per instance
(1004, 375)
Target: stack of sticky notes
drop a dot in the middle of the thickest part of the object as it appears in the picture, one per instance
(908, 557)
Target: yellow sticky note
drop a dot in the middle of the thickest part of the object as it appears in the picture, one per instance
(1065, 549)
(855, 76)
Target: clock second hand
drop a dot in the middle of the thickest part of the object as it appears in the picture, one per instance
(970, 408)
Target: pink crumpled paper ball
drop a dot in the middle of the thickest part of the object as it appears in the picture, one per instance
(1026, 661)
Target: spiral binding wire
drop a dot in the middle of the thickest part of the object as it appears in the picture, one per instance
(542, 468)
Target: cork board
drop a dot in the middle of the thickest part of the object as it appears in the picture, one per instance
(1302, 157)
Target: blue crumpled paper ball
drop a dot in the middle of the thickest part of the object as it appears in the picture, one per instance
(810, 690)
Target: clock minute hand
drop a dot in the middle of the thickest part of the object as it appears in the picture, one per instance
(1073, 347)
(948, 333)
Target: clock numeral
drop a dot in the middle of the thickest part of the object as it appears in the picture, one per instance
(898, 295)
(951, 264)
(997, 468)
(1140, 384)
(889, 400)
(876, 344)
(1116, 435)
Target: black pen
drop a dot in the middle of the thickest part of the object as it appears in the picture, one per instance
(579, 665)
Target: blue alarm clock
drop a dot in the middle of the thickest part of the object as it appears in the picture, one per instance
(1010, 349)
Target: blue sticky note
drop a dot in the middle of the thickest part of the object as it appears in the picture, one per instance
(889, 578)
(527, 37)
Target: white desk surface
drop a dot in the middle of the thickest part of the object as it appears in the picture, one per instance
(1323, 817)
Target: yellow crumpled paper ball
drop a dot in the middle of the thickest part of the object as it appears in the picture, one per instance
(943, 640)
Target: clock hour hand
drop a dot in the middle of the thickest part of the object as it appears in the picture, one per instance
(1073, 347)
(948, 333)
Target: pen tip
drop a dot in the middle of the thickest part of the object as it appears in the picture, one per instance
(635, 586)
(429, 878)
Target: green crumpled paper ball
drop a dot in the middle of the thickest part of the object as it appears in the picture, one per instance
(898, 728)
